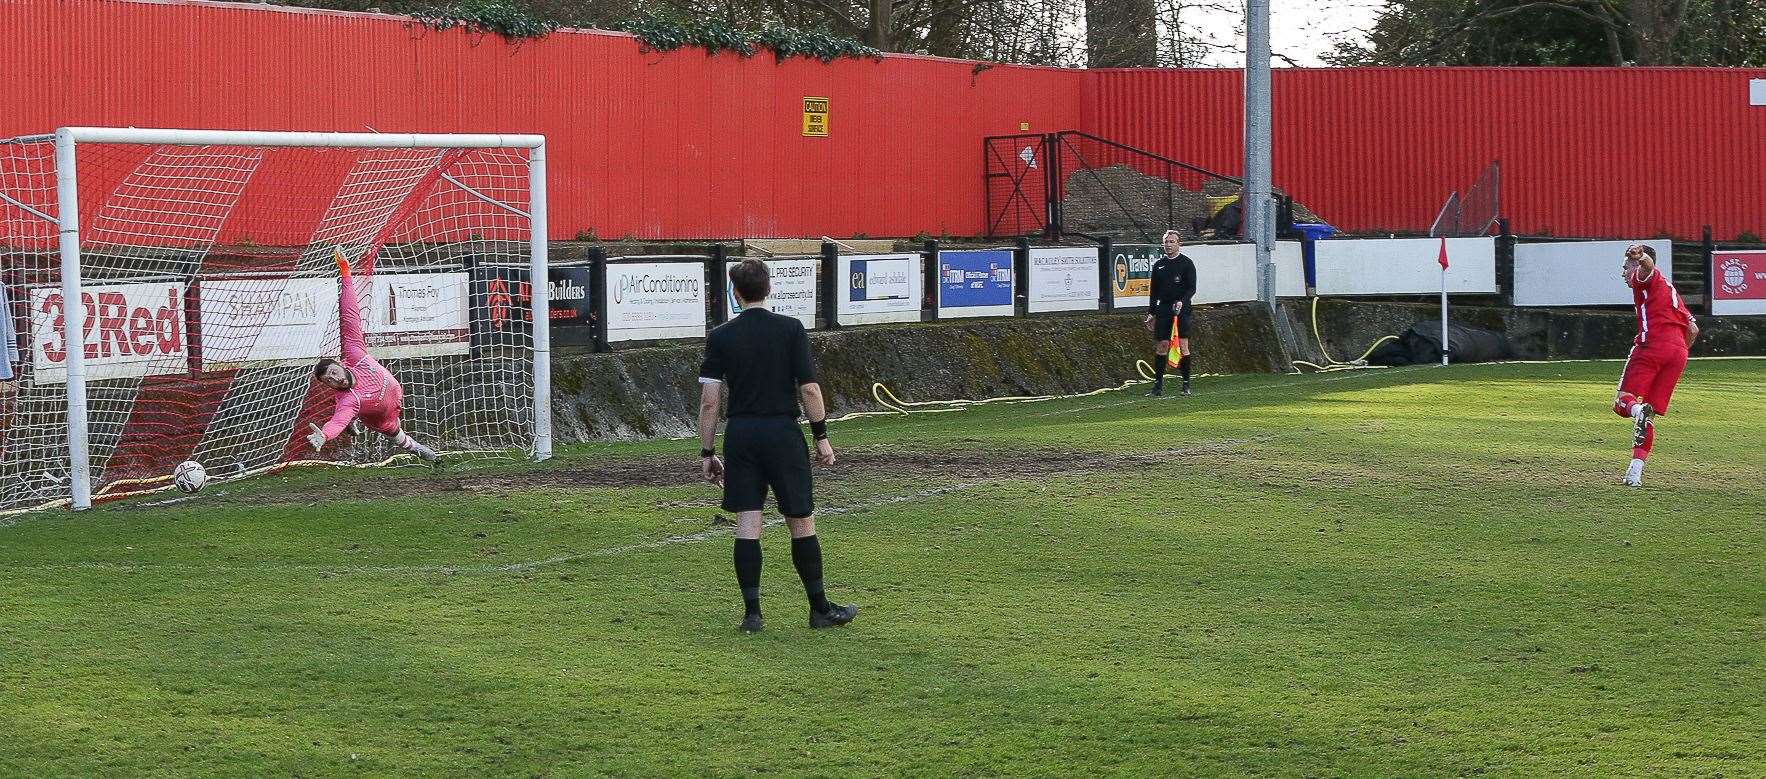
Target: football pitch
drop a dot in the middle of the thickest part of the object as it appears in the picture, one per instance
(1404, 572)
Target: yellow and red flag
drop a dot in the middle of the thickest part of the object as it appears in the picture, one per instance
(1176, 353)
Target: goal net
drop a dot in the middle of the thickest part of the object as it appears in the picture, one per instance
(207, 291)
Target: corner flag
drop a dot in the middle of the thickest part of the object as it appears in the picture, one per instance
(1445, 348)
(1175, 354)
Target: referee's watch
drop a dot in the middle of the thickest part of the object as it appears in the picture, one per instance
(706, 454)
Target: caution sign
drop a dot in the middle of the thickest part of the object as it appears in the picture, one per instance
(815, 117)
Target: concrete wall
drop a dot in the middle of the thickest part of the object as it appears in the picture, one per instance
(1348, 328)
(653, 392)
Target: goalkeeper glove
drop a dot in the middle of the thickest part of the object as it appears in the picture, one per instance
(316, 438)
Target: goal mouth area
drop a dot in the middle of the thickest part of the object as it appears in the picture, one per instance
(204, 264)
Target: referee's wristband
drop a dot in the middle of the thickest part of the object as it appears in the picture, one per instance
(707, 453)
(819, 430)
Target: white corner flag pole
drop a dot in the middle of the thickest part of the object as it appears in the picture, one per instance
(1444, 317)
(1441, 258)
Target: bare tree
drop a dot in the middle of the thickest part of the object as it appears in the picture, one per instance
(1563, 32)
(1182, 41)
(1121, 33)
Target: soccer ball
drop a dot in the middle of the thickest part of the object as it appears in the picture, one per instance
(189, 476)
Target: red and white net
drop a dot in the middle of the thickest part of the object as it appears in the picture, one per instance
(209, 293)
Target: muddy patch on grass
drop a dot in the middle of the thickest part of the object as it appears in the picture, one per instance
(965, 461)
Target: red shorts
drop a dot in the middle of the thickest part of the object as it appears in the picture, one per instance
(1651, 374)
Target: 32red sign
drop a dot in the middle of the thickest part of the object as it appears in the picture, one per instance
(127, 329)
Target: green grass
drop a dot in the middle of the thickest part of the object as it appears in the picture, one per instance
(1413, 572)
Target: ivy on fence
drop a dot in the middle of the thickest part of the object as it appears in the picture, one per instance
(486, 16)
(657, 32)
(666, 34)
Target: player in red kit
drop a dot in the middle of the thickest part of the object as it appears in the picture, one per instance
(1665, 332)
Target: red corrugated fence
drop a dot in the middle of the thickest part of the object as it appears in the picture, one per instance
(684, 145)
(1628, 152)
(641, 144)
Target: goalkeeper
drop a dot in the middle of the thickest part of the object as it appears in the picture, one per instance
(366, 390)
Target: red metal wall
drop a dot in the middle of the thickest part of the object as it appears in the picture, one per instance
(641, 144)
(1585, 152)
(683, 145)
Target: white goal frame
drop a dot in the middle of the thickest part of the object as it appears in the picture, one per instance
(67, 140)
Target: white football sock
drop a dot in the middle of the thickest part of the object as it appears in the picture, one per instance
(410, 444)
(1634, 474)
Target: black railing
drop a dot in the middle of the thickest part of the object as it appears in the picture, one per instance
(1075, 183)
(1015, 184)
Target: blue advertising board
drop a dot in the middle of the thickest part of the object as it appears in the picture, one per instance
(975, 283)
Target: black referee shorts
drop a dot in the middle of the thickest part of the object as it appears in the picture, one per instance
(762, 453)
(1162, 325)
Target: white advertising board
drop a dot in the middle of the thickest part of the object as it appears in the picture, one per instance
(416, 314)
(1405, 266)
(267, 320)
(794, 290)
(1579, 273)
(654, 300)
(130, 331)
(1225, 273)
(878, 288)
(1063, 279)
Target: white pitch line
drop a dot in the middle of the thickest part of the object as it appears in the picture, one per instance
(449, 570)
(1347, 375)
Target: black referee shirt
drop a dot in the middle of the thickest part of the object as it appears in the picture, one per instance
(762, 358)
(1174, 280)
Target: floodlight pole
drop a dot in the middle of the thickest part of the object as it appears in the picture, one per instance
(1259, 205)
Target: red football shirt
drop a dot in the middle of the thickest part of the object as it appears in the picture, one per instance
(1662, 317)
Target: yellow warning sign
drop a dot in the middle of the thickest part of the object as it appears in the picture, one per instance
(815, 117)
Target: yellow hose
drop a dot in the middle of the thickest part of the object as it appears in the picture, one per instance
(1145, 369)
(888, 399)
(1358, 363)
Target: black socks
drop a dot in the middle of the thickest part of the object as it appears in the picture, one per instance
(806, 554)
(748, 572)
(1183, 368)
(1159, 373)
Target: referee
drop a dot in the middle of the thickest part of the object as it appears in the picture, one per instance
(1174, 283)
(761, 359)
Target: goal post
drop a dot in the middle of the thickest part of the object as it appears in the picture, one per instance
(175, 289)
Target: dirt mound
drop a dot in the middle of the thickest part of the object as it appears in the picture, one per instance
(970, 465)
(1133, 206)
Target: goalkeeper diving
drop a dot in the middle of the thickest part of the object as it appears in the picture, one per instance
(366, 390)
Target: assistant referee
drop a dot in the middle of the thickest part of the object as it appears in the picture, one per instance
(1168, 304)
(761, 359)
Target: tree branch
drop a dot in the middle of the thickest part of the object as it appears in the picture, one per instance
(840, 17)
(1444, 39)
